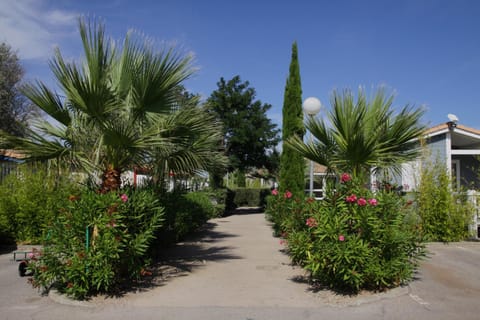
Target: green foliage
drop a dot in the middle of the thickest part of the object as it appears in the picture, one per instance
(29, 198)
(445, 215)
(122, 106)
(97, 242)
(185, 213)
(248, 133)
(250, 197)
(292, 164)
(361, 134)
(14, 109)
(352, 239)
(219, 199)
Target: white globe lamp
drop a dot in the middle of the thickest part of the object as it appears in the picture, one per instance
(312, 106)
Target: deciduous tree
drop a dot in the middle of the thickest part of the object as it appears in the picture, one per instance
(247, 131)
(14, 108)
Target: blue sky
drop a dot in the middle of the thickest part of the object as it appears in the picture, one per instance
(426, 51)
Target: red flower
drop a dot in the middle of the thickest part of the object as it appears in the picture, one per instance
(345, 177)
(69, 285)
(124, 197)
(373, 202)
(341, 237)
(351, 199)
(310, 200)
(362, 202)
(287, 195)
(311, 222)
(145, 273)
(111, 224)
(275, 192)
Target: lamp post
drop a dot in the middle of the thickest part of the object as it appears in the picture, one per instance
(311, 106)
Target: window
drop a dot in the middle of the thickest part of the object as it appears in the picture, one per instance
(456, 175)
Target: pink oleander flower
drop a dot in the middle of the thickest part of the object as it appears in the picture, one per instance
(345, 177)
(287, 195)
(311, 222)
(275, 192)
(362, 202)
(372, 202)
(283, 242)
(111, 224)
(124, 197)
(351, 199)
(341, 238)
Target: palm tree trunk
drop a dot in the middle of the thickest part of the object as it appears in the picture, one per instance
(111, 180)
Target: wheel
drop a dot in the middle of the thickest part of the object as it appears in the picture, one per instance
(22, 268)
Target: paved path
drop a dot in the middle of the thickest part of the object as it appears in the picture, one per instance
(235, 270)
(236, 262)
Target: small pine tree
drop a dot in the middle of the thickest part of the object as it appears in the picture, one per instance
(292, 164)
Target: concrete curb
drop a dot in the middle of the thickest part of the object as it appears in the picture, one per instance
(361, 300)
(60, 298)
(327, 299)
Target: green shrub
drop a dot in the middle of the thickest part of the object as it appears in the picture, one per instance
(250, 197)
(219, 199)
(352, 239)
(97, 242)
(29, 199)
(184, 213)
(445, 215)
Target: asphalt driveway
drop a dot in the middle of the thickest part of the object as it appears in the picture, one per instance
(235, 270)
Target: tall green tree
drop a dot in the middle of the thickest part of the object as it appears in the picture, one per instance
(363, 135)
(14, 108)
(247, 131)
(292, 163)
(118, 108)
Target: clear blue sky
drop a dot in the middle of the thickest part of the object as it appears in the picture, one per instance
(427, 51)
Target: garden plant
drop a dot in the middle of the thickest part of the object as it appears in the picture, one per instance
(119, 109)
(98, 242)
(351, 240)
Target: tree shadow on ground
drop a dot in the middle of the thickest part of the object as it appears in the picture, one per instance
(244, 211)
(7, 248)
(183, 258)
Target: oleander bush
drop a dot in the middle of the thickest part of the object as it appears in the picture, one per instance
(98, 242)
(351, 240)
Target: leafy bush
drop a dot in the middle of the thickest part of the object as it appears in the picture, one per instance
(97, 242)
(250, 197)
(445, 215)
(29, 199)
(184, 213)
(219, 199)
(351, 240)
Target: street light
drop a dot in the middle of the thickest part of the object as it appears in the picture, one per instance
(311, 106)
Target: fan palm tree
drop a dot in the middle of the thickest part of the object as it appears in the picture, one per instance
(362, 135)
(118, 109)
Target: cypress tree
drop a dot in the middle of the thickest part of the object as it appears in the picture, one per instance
(292, 163)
